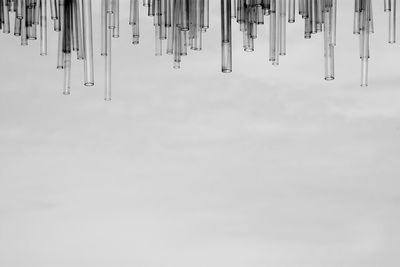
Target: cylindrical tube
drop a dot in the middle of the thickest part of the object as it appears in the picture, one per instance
(107, 91)
(226, 34)
(88, 42)
(292, 11)
(392, 22)
(43, 27)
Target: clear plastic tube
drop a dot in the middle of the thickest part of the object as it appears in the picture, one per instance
(43, 27)
(20, 6)
(67, 74)
(392, 22)
(88, 43)
(282, 28)
(53, 10)
(6, 18)
(79, 22)
(386, 5)
(116, 19)
(328, 49)
(61, 36)
(24, 34)
(103, 28)
(292, 11)
(107, 92)
(272, 32)
(333, 22)
(226, 33)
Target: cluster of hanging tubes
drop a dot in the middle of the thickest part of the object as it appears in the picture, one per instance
(181, 24)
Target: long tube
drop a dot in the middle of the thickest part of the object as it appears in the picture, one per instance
(392, 22)
(88, 43)
(43, 27)
(226, 34)
(107, 92)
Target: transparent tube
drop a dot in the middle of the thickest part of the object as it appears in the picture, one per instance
(104, 28)
(20, 5)
(43, 27)
(282, 28)
(226, 33)
(107, 92)
(135, 20)
(328, 49)
(364, 72)
(292, 11)
(185, 15)
(88, 43)
(277, 32)
(67, 74)
(61, 36)
(333, 17)
(206, 22)
(17, 27)
(6, 18)
(392, 22)
(24, 35)
(116, 19)
(272, 32)
(158, 42)
(81, 48)
(53, 10)
(386, 5)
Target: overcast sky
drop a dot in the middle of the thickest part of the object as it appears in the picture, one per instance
(267, 166)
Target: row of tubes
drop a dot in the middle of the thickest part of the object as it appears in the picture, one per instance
(319, 15)
(72, 21)
(181, 24)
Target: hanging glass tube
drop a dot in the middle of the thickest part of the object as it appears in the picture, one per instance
(226, 36)
(109, 29)
(134, 20)
(88, 42)
(390, 9)
(43, 27)
(363, 26)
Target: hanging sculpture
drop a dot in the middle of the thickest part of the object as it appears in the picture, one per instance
(181, 23)
(318, 16)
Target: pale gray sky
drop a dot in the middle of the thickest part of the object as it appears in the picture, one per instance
(263, 167)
